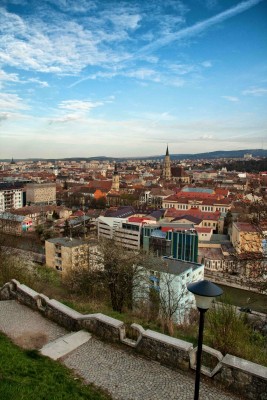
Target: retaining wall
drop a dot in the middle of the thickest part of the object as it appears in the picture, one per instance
(240, 376)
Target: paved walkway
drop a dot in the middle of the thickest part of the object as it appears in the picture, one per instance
(123, 374)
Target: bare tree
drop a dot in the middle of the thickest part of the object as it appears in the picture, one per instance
(124, 272)
(171, 300)
(253, 271)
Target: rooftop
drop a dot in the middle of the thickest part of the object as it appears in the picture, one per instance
(176, 267)
(67, 242)
(197, 190)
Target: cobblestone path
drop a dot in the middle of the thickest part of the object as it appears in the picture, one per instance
(26, 327)
(123, 374)
(130, 377)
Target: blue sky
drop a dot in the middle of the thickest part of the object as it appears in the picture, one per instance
(124, 78)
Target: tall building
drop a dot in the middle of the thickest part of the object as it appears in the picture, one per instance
(115, 180)
(166, 173)
(65, 254)
(11, 196)
(43, 193)
(181, 244)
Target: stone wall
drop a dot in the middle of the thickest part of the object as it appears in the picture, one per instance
(240, 376)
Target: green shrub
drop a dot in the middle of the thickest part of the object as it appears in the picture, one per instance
(228, 331)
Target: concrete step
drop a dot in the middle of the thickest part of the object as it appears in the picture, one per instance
(65, 344)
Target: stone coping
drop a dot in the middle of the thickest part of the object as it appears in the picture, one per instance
(180, 344)
(245, 366)
(63, 308)
(27, 290)
(103, 318)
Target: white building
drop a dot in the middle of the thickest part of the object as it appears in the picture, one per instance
(106, 226)
(170, 280)
(10, 197)
(127, 234)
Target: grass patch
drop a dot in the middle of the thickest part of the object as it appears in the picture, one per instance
(26, 375)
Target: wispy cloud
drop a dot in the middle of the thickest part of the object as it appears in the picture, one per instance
(79, 105)
(61, 45)
(206, 137)
(10, 101)
(167, 37)
(232, 99)
(66, 119)
(255, 91)
(75, 110)
(198, 27)
(38, 82)
(6, 78)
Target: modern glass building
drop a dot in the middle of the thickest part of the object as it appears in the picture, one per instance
(179, 244)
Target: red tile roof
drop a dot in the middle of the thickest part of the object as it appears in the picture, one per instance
(246, 227)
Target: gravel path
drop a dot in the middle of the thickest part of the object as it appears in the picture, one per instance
(123, 374)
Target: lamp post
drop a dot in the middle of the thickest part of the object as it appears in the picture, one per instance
(204, 292)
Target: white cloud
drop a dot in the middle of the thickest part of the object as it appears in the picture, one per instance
(79, 105)
(143, 73)
(39, 82)
(66, 119)
(5, 77)
(255, 91)
(232, 99)
(10, 101)
(197, 28)
(79, 110)
(206, 137)
(54, 41)
(58, 44)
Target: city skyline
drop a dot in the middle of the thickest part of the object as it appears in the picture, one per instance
(121, 79)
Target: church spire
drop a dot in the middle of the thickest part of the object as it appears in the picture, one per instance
(115, 169)
(115, 179)
(166, 173)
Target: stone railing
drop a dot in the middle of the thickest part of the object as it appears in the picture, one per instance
(240, 376)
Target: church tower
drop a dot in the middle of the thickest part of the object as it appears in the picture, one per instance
(166, 173)
(115, 180)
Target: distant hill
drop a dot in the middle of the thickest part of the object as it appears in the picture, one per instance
(198, 156)
(221, 154)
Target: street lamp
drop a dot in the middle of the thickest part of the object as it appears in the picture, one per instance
(204, 292)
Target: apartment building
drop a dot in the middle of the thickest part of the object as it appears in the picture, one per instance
(170, 279)
(129, 235)
(246, 238)
(44, 193)
(11, 196)
(65, 254)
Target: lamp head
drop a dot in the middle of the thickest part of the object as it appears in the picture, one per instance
(204, 292)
